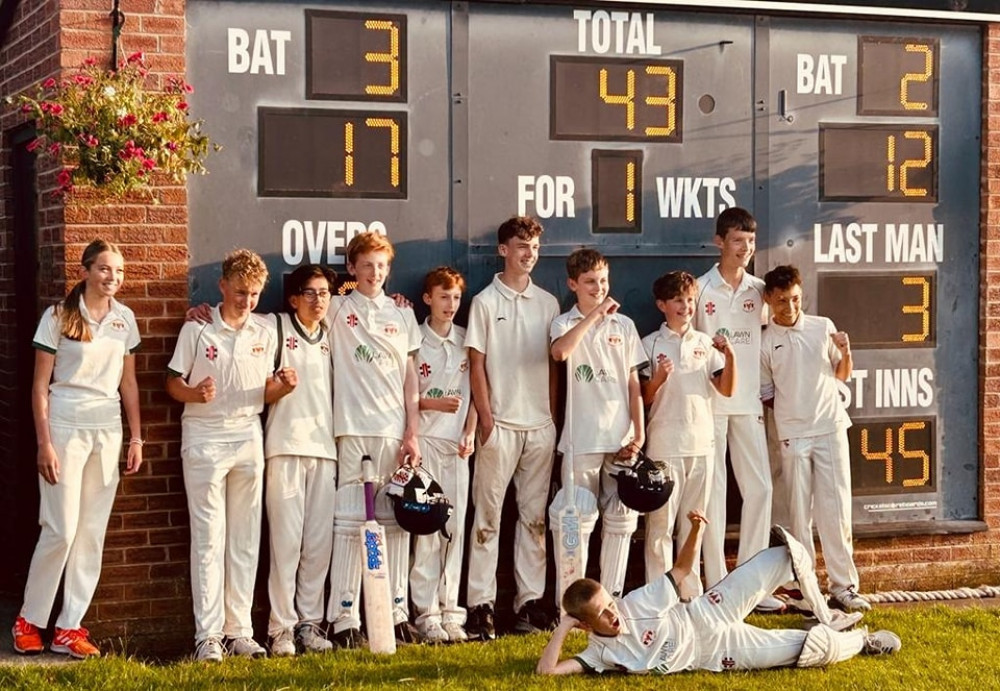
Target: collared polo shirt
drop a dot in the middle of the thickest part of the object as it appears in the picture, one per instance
(443, 371)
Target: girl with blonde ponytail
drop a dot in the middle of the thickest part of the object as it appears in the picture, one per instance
(84, 376)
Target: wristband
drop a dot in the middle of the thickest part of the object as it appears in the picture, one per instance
(136, 440)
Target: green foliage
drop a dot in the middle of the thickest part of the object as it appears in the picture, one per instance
(111, 132)
(943, 648)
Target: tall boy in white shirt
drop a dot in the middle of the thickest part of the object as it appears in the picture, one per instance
(376, 412)
(802, 358)
(221, 371)
(731, 302)
(686, 368)
(508, 341)
(608, 424)
(447, 432)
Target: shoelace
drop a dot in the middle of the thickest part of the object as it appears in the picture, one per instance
(74, 635)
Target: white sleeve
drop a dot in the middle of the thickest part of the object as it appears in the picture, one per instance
(182, 362)
(478, 329)
(47, 334)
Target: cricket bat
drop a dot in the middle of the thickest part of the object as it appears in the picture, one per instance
(567, 521)
(375, 571)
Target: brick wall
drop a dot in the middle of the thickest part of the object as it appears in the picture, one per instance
(144, 590)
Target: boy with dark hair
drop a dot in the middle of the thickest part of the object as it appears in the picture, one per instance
(686, 368)
(508, 346)
(608, 426)
(802, 358)
(731, 302)
(447, 431)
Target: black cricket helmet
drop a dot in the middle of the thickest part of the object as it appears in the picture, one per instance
(418, 502)
(644, 487)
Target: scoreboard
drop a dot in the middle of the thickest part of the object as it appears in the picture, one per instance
(855, 143)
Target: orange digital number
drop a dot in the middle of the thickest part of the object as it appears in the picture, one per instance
(896, 176)
(390, 58)
(925, 461)
(393, 128)
(925, 75)
(669, 101)
(923, 309)
(627, 99)
(885, 455)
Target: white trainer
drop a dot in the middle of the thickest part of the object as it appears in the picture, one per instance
(311, 638)
(842, 621)
(881, 643)
(209, 650)
(244, 646)
(769, 604)
(283, 644)
(849, 601)
(431, 631)
(456, 632)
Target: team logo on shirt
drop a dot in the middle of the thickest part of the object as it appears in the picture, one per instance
(324, 348)
(352, 320)
(647, 637)
(709, 308)
(728, 662)
(749, 305)
(661, 358)
(714, 596)
(211, 352)
(425, 371)
(257, 349)
(463, 366)
(615, 339)
(699, 353)
(390, 329)
(118, 325)
(292, 342)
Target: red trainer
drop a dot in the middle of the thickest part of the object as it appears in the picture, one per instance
(27, 639)
(74, 642)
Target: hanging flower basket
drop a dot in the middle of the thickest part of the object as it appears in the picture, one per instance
(112, 133)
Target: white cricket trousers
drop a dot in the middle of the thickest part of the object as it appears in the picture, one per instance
(726, 642)
(300, 497)
(437, 561)
(692, 476)
(73, 514)
(817, 473)
(223, 483)
(744, 437)
(524, 456)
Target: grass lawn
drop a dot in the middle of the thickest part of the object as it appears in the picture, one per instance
(943, 649)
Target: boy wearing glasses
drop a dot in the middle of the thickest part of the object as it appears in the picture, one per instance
(301, 468)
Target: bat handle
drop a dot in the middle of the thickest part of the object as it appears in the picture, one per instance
(368, 473)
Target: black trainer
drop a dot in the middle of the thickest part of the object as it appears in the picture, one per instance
(533, 617)
(348, 639)
(479, 623)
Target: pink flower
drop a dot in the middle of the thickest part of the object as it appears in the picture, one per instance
(49, 83)
(127, 120)
(64, 178)
(159, 117)
(140, 172)
(34, 144)
(188, 88)
(56, 109)
(90, 61)
(54, 148)
(83, 80)
(148, 163)
(136, 57)
(172, 146)
(182, 105)
(27, 108)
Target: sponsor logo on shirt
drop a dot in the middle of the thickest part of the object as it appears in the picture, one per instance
(352, 320)
(586, 373)
(737, 337)
(709, 308)
(211, 352)
(667, 651)
(366, 354)
(434, 393)
(425, 371)
(291, 343)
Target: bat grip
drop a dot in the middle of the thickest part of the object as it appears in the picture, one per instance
(368, 474)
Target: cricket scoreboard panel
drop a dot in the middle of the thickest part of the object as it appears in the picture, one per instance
(855, 143)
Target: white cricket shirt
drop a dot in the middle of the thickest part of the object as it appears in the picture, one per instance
(656, 634)
(86, 375)
(372, 340)
(512, 330)
(241, 361)
(798, 363)
(680, 421)
(443, 371)
(301, 423)
(607, 354)
(739, 315)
